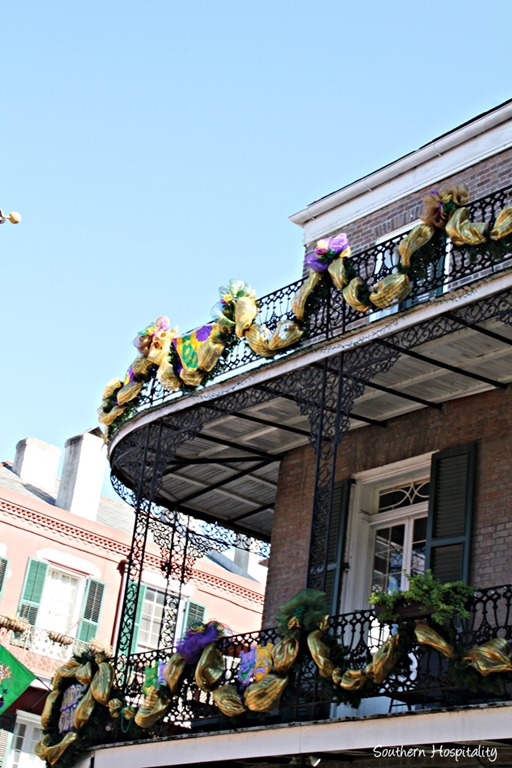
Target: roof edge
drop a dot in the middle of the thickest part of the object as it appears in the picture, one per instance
(424, 154)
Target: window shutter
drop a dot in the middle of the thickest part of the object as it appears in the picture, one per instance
(91, 609)
(32, 590)
(138, 614)
(194, 614)
(336, 545)
(450, 513)
(3, 572)
(131, 590)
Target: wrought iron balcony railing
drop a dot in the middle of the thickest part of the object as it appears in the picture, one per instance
(421, 677)
(439, 269)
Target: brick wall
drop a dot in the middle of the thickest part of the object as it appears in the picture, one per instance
(486, 418)
(291, 531)
(481, 179)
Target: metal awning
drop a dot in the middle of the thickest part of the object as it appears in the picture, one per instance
(228, 471)
(224, 467)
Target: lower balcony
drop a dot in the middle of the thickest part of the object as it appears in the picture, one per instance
(353, 668)
(321, 690)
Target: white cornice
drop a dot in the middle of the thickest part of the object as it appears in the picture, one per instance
(448, 155)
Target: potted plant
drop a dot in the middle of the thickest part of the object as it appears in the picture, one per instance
(425, 596)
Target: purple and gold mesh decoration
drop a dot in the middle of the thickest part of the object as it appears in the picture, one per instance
(426, 635)
(196, 638)
(320, 653)
(247, 665)
(327, 253)
(70, 701)
(503, 224)
(264, 695)
(198, 352)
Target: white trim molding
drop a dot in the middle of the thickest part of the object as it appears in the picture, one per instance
(452, 153)
(468, 726)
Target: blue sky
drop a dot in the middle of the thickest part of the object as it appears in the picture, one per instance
(156, 149)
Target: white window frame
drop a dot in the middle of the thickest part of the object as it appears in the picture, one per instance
(27, 758)
(81, 580)
(157, 582)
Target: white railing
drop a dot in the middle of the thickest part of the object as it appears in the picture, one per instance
(41, 650)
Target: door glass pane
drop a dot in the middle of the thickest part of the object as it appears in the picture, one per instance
(388, 561)
(419, 546)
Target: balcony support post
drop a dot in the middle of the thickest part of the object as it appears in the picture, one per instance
(143, 509)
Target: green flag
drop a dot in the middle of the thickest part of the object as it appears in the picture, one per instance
(14, 678)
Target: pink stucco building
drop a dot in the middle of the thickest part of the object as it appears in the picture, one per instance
(63, 551)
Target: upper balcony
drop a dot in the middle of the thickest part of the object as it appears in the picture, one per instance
(215, 447)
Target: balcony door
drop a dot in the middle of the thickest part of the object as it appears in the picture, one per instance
(410, 516)
(400, 539)
(60, 602)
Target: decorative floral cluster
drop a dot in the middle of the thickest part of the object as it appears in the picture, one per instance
(326, 251)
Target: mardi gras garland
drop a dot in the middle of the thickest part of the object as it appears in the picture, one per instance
(81, 709)
(266, 670)
(184, 362)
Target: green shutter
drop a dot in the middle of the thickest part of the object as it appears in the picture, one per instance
(194, 614)
(91, 609)
(138, 614)
(131, 590)
(336, 545)
(450, 513)
(3, 572)
(32, 590)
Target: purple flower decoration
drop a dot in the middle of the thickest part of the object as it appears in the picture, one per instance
(338, 243)
(247, 664)
(323, 247)
(191, 646)
(315, 262)
(326, 250)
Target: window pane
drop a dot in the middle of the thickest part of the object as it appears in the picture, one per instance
(388, 562)
(59, 600)
(419, 548)
(19, 735)
(151, 619)
(400, 496)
